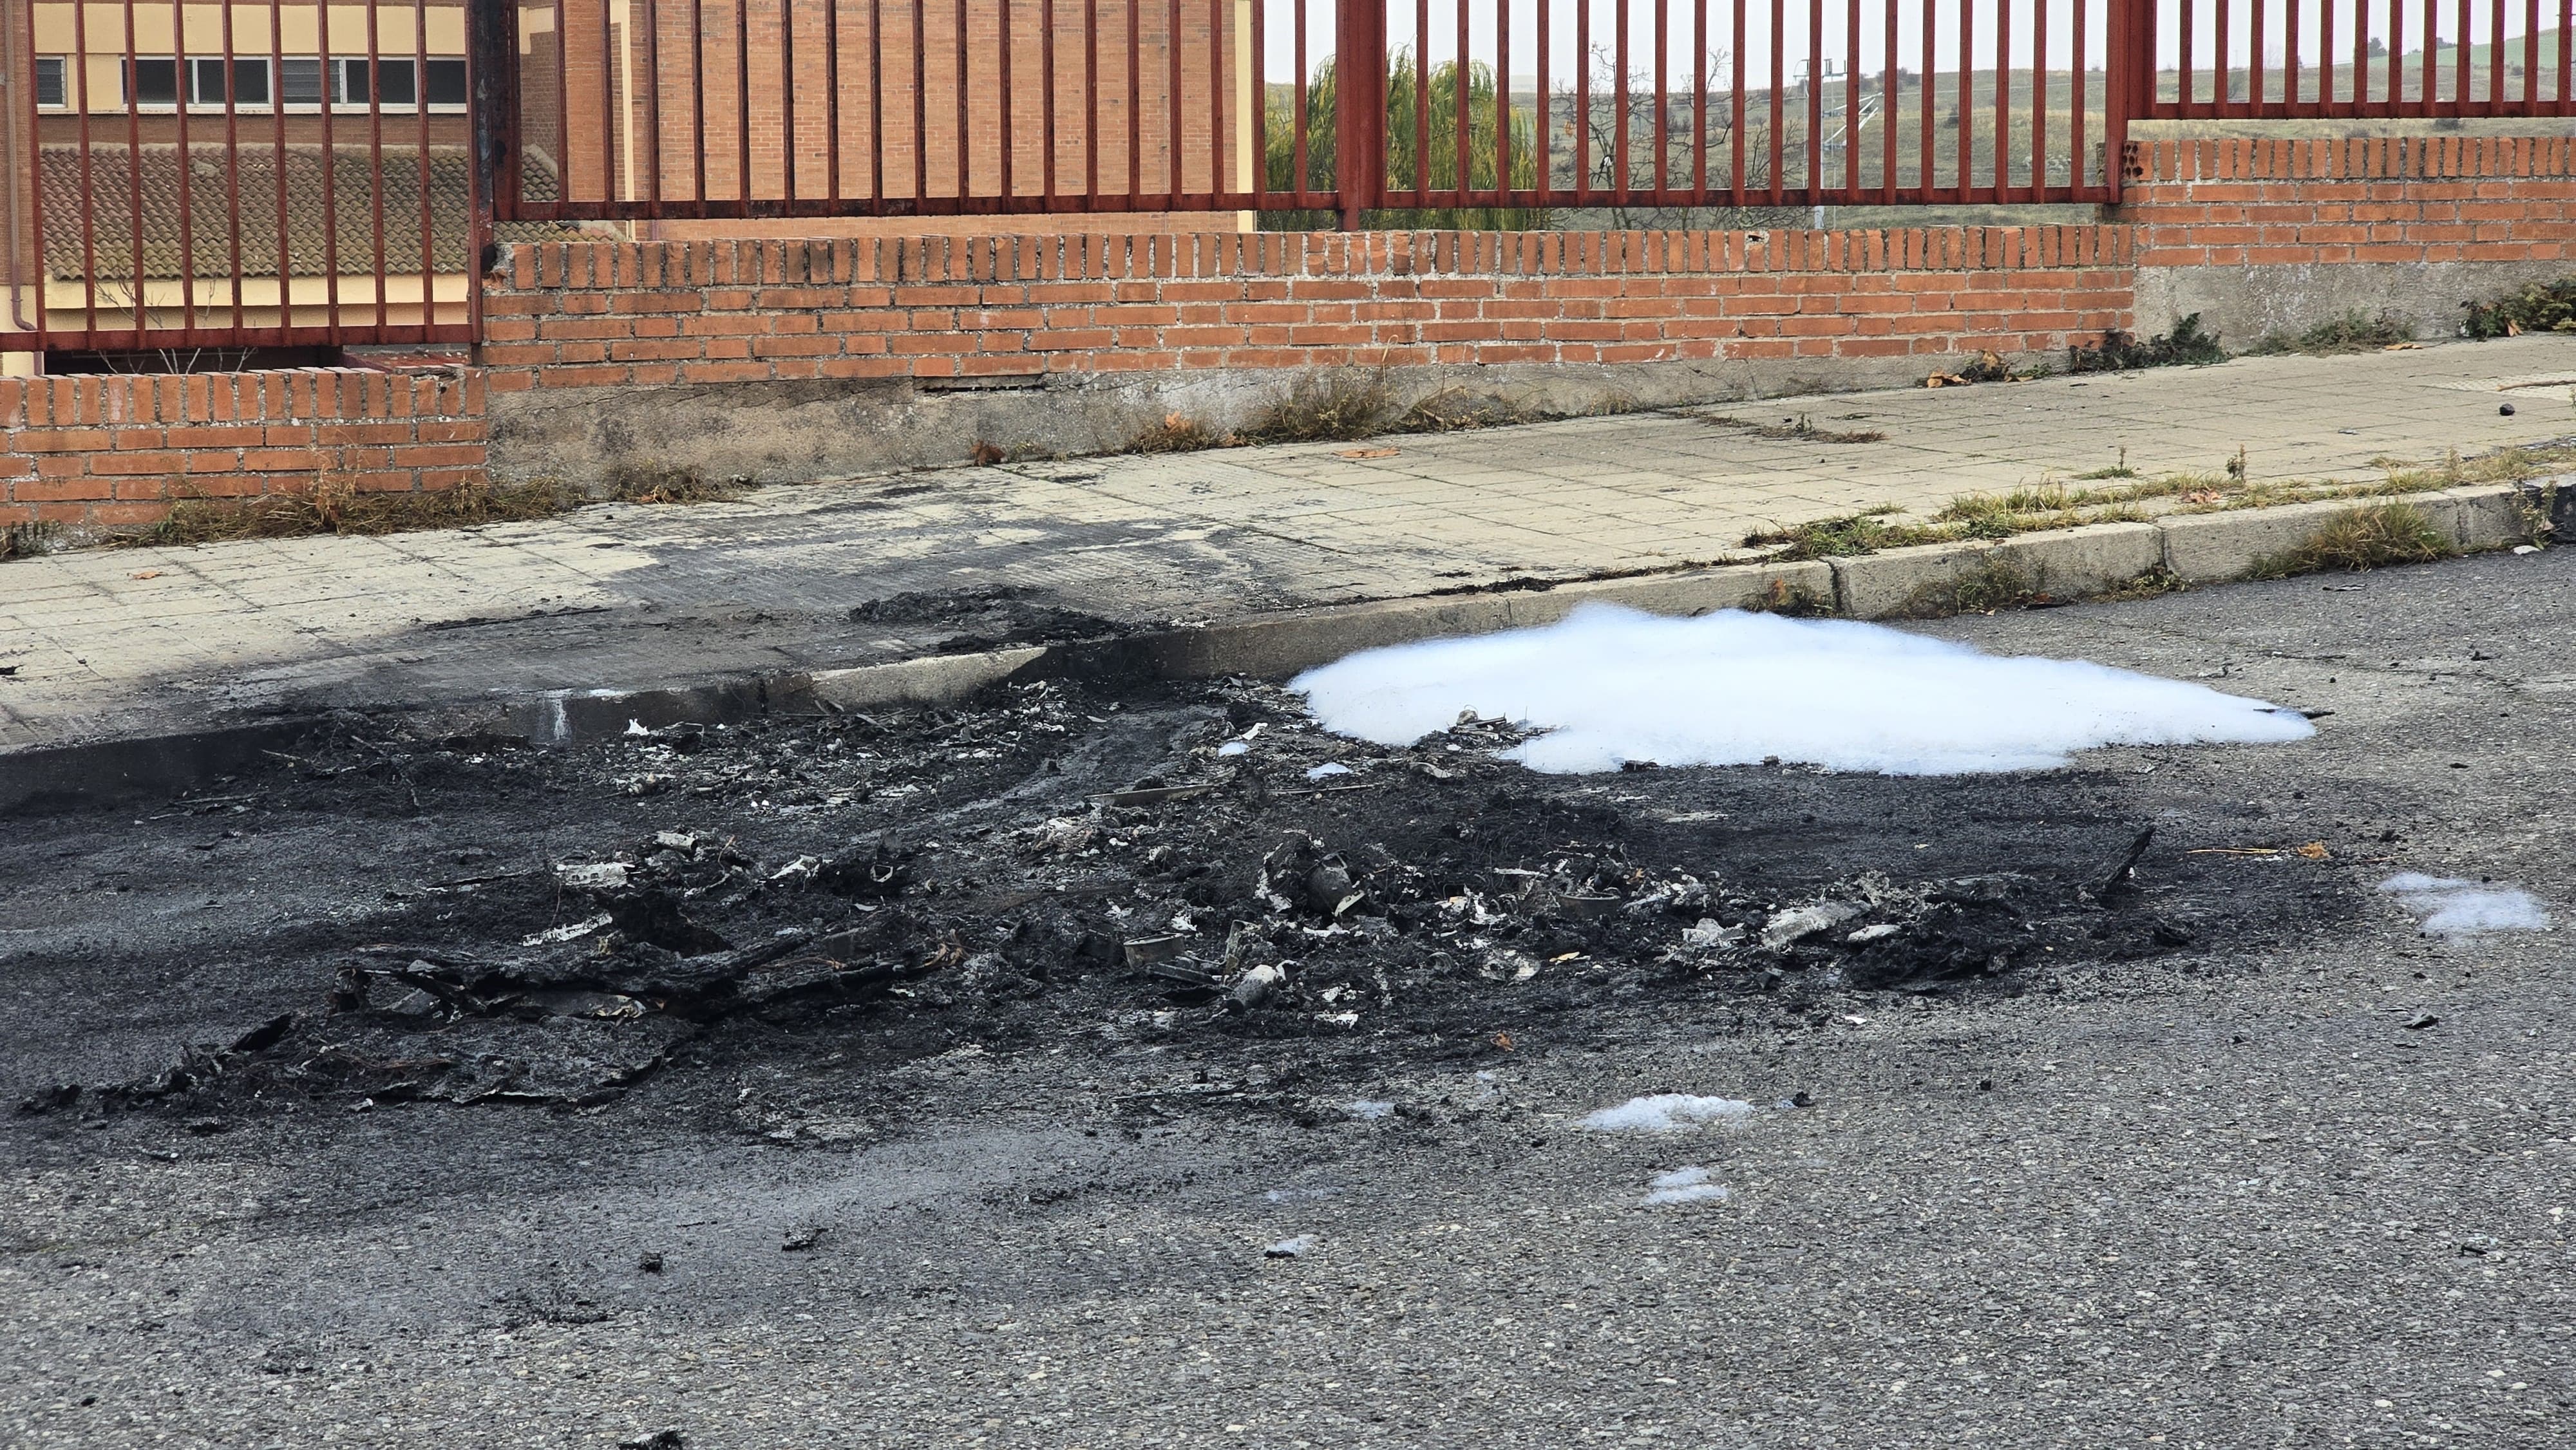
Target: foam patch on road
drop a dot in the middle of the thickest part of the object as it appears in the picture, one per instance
(1691, 1184)
(1667, 1113)
(2449, 906)
(1610, 685)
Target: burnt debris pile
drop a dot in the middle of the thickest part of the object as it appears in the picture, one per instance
(1059, 865)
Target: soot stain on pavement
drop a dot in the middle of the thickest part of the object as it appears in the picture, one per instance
(1063, 868)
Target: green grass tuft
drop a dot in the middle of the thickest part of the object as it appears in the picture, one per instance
(2374, 536)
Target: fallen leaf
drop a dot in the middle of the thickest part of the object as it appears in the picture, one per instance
(145, 574)
(1372, 453)
(1503, 1040)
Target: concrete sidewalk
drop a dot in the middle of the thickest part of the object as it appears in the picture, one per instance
(111, 644)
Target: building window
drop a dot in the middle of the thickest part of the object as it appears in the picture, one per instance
(348, 81)
(397, 82)
(299, 82)
(250, 81)
(49, 82)
(154, 81)
(447, 83)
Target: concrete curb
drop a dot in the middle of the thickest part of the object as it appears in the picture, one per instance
(2069, 563)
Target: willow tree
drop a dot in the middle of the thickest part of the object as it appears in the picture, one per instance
(1420, 108)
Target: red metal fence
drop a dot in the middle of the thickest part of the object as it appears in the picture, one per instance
(223, 174)
(762, 108)
(2282, 59)
(186, 176)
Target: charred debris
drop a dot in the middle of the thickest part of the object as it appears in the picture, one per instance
(1064, 865)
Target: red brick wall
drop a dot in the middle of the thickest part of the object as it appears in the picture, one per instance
(108, 449)
(600, 314)
(2389, 199)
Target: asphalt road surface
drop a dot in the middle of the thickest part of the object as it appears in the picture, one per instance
(2310, 1188)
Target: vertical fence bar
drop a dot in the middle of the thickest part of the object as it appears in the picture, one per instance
(1421, 102)
(2184, 86)
(832, 100)
(420, 111)
(1583, 99)
(1503, 102)
(1925, 130)
(1171, 104)
(1663, 110)
(488, 144)
(2567, 58)
(788, 132)
(1851, 104)
(2495, 55)
(1619, 92)
(277, 127)
(1967, 106)
(2460, 61)
(1135, 103)
(2393, 77)
(1546, 125)
(2254, 64)
(1091, 98)
(698, 98)
(36, 190)
(2530, 52)
(1006, 99)
(1047, 91)
(2431, 82)
(496, 116)
(1815, 99)
(1359, 148)
(1887, 87)
(232, 161)
(2039, 99)
(134, 179)
(88, 188)
(1736, 177)
(2003, 99)
(1779, 100)
(609, 130)
(1303, 180)
(562, 117)
(652, 106)
(330, 181)
(1458, 94)
(1699, 101)
(1218, 94)
(492, 73)
(2079, 165)
(2221, 68)
(187, 165)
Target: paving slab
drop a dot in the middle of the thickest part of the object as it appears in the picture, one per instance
(122, 643)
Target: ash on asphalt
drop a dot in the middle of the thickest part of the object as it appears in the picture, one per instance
(1061, 866)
